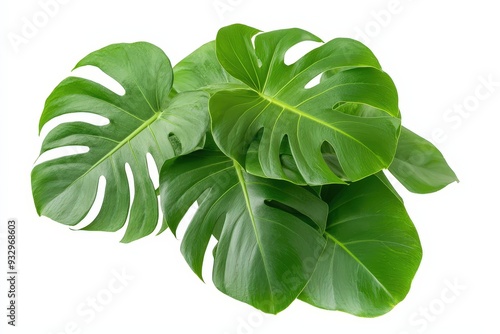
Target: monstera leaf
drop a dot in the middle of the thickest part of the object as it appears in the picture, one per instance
(202, 71)
(372, 254)
(283, 162)
(419, 165)
(143, 120)
(276, 108)
(269, 231)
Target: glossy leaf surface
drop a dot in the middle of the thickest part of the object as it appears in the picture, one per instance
(419, 165)
(202, 71)
(276, 107)
(143, 120)
(269, 231)
(372, 254)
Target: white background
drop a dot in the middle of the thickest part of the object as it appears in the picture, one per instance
(438, 53)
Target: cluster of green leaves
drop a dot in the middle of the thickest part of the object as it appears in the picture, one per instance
(287, 175)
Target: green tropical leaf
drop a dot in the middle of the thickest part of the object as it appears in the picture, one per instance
(419, 165)
(269, 231)
(202, 71)
(143, 120)
(276, 109)
(372, 254)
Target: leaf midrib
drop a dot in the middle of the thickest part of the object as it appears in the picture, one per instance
(243, 184)
(355, 258)
(286, 106)
(120, 144)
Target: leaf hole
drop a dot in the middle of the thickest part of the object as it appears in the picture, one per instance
(176, 144)
(131, 189)
(252, 40)
(285, 145)
(287, 160)
(299, 50)
(159, 223)
(314, 81)
(61, 152)
(283, 207)
(96, 206)
(208, 261)
(153, 170)
(97, 75)
(332, 160)
(185, 221)
(86, 117)
(131, 186)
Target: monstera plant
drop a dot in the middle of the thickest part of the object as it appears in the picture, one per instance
(287, 174)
